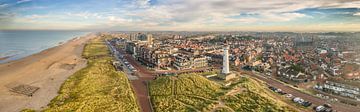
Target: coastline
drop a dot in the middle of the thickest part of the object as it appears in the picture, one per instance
(47, 70)
(4, 58)
(8, 59)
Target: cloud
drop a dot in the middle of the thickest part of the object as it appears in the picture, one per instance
(23, 1)
(84, 15)
(138, 4)
(6, 16)
(3, 5)
(189, 14)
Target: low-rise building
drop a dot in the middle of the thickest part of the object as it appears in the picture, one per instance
(340, 89)
(183, 61)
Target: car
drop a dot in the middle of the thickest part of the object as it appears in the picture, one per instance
(298, 100)
(327, 105)
(289, 96)
(278, 90)
(334, 99)
(306, 104)
(323, 108)
(282, 93)
(319, 95)
(319, 108)
(326, 97)
(272, 88)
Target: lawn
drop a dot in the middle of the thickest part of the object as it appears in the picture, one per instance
(97, 87)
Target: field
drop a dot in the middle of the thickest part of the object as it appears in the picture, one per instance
(192, 92)
(98, 87)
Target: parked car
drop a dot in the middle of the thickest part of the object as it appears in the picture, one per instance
(289, 96)
(322, 108)
(278, 90)
(298, 100)
(327, 105)
(272, 88)
(306, 104)
(282, 93)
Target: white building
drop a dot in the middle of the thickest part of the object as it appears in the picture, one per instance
(225, 69)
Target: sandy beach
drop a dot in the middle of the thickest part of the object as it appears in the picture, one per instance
(46, 70)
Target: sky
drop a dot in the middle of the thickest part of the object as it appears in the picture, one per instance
(181, 15)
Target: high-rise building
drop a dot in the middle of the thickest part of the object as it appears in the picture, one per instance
(150, 40)
(133, 37)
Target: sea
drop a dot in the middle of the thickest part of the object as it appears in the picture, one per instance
(19, 44)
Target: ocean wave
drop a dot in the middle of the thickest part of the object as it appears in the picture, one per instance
(11, 53)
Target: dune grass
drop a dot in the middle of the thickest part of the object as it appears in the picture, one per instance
(192, 92)
(97, 87)
(183, 93)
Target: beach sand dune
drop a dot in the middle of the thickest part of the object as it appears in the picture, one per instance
(46, 70)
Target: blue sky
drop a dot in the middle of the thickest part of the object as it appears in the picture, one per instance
(181, 15)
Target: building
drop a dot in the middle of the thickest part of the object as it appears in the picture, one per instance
(225, 72)
(150, 40)
(183, 61)
(225, 69)
(130, 47)
(153, 57)
(340, 89)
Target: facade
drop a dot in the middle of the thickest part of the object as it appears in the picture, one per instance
(182, 61)
(341, 89)
(150, 40)
(153, 57)
(130, 47)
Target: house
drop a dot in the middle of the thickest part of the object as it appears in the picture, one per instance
(340, 89)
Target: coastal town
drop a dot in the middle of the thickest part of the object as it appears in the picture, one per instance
(315, 69)
(179, 56)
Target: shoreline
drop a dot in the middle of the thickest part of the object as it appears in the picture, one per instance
(47, 69)
(5, 59)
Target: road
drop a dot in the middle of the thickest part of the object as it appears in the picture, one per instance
(340, 107)
(142, 92)
(140, 84)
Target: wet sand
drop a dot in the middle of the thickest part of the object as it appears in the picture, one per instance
(4, 58)
(46, 70)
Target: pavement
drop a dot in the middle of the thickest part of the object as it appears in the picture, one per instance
(339, 107)
(145, 75)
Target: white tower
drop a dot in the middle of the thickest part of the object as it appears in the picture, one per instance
(225, 69)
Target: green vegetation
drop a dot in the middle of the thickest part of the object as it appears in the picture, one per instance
(216, 71)
(97, 87)
(180, 93)
(28, 110)
(192, 92)
(253, 98)
(298, 68)
(222, 109)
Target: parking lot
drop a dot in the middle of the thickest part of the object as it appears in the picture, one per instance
(316, 101)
